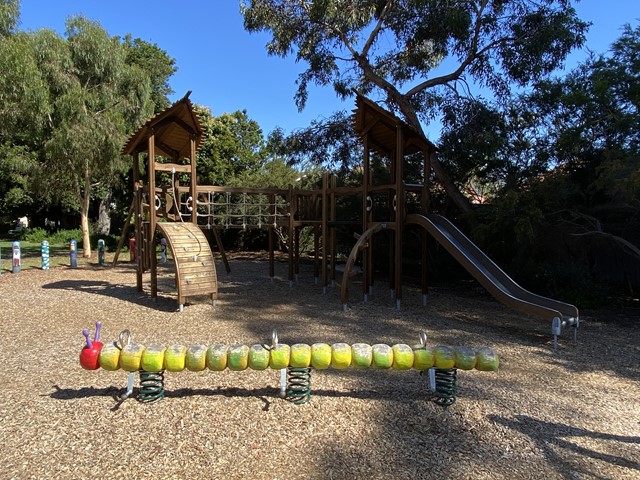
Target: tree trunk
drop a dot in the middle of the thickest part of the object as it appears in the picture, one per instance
(104, 216)
(452, 190)
(411, 117)
(84, 217)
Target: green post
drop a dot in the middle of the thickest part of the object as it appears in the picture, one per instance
(100, 252)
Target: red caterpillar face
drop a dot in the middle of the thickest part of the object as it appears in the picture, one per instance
(91, 351)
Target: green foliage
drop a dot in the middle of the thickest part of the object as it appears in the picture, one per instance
(388, 44)
(393, 50)
(9, 13)
(63, 237)
(328, 142)
(68, 105)
(232, 144)
(157, 64)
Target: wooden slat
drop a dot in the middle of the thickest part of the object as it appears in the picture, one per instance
(194, 277)
(168, 167)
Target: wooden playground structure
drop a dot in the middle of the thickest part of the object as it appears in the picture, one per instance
(167, 197)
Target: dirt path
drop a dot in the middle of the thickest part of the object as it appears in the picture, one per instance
(574, 414)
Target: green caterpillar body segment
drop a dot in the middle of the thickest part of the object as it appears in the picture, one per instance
(217, 357)
(382, 356)
(279, 356)
(196, 359)
(238, 357)
(444, 357)
(175, 357)
(487, 360)
(361, 355)
(423, 357)
(465, 358)
(340, 355)
(300, 355)
(320, 356)
(109, 358)
(258, 357)
(153, 358)
(130, 357)
(403, 357)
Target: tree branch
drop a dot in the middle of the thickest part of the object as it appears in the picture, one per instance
(377, 28)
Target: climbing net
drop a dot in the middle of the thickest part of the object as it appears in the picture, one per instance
(235, 210)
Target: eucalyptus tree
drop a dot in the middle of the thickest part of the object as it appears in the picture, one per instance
(9, 13)
(414, 55)
(158, 65)
(232, 144)
(96, 99)
(592, 121)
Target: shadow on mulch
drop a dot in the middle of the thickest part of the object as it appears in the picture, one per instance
(551, 438)
(272, 392)
(121, 292)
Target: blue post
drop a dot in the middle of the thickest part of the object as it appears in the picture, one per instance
(45, 254)
(16, 263)
(100, 252)
(73, 253)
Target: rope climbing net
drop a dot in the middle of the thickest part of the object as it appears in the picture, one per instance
(235, 210)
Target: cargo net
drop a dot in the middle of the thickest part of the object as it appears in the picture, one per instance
(235, 210)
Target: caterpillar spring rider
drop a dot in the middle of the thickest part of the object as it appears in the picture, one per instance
(295, 362)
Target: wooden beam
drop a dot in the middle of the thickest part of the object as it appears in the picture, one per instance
(168, 167)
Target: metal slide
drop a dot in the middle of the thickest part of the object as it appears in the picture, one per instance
(493, 278)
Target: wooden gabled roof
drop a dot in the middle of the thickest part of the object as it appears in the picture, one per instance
(381, 125)
(173, 128)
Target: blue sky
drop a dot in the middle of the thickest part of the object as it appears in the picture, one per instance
(228, 69)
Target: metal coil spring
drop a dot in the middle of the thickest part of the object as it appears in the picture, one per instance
(298, 385)
(445, 393)
(151, 386)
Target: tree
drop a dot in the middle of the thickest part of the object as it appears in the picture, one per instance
(9, 13)
(68, 103)
(102, 100)
(157, 64)
(592, 121)
(393, 48)
(324, 142)
(232, 144)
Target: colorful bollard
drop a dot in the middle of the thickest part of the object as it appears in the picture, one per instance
(73, 253)
(44, 249)
(16, 262)
(100, 252)
(132, 250)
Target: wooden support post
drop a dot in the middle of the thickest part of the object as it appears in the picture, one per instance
(332, 217)
(223, 254)
(272, 221)
(399, 204)
(290, 246)
(137, 200)
(325, 244)
(366, 217)
(193, 186)
(150, 241)
(124, 231)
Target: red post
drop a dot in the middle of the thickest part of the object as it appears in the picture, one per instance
(132, 249)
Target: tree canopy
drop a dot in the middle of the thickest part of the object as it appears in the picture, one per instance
(397, 50)
(68, 104)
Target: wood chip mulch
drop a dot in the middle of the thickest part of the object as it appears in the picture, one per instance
(574, 414)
